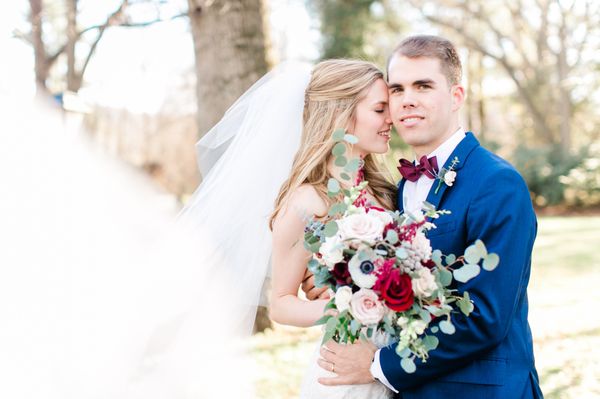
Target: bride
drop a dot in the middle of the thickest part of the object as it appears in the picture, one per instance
(341, 93)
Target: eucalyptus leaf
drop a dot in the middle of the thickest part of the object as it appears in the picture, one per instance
(491, 261)
(338, 135)
(465, 305)
(350, 139)
(341, 161)
(450, 259)
(408, 364)
(337, 208)
(445, 276)
(345, 176)
(481, 247)
(431, 342)
(333, 186)
(392, 237)
(473, 254)
(435, 329)
(331, 228)
(447, 327)
(466, 272)
(403, 352)
(436, 257)
(352, 165)
(313, 265)
(339, 149)
(331, 324)
(327, 336)
(425, 315)
(354, 326)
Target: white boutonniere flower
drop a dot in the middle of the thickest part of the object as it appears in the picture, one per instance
(447, 176)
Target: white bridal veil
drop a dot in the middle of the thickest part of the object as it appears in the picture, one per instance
(245, 159)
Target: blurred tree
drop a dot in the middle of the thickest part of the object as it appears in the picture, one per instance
(66, 37)
(541, 45)
(230, 45)
(343, 25)
(364, 29)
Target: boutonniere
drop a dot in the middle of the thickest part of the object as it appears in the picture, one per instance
(447, 176)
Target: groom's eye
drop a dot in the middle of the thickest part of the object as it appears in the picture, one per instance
(424, 86)
(379, 111)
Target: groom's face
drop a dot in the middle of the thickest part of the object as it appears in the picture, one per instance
(423, 105)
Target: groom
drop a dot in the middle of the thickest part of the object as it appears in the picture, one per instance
(490, 355)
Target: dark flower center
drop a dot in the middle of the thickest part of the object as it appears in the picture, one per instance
(367, 267)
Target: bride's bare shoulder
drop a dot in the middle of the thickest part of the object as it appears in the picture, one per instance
(302, 203)
(307, 199)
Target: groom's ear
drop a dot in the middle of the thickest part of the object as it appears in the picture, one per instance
(458, 96)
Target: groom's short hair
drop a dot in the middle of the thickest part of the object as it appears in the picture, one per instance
(432, 47)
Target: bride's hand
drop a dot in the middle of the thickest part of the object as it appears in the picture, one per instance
(312, 292)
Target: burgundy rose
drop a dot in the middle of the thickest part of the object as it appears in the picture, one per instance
(395, 289)
(341, 274)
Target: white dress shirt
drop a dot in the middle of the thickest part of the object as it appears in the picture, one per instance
(413, 196)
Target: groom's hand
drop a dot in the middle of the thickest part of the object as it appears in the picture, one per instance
(351, 363)
(312, 292)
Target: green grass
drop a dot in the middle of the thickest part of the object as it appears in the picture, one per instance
(563, 295)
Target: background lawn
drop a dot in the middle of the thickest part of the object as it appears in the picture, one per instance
(563, 295)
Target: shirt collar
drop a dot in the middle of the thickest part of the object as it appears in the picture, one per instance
(443, 152)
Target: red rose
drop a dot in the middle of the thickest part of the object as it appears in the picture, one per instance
(395, 289)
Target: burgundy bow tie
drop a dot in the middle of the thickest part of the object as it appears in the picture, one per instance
(411, 172)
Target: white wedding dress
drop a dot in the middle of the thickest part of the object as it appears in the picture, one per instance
(312, 389)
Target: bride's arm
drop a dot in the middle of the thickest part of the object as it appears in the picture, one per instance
(289, 259)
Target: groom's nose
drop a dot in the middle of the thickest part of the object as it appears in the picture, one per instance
(408, 99)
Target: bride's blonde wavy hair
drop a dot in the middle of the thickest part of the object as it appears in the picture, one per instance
(334, 90)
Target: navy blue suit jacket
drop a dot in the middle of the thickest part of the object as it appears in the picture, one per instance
(491, 353)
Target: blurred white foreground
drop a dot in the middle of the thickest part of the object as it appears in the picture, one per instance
(100, 297)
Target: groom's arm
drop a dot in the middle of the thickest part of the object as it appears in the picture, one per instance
(501, 215)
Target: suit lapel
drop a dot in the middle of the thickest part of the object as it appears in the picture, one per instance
(462, 151)
(400, 199)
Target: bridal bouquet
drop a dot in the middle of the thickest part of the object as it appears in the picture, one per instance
(389, 285)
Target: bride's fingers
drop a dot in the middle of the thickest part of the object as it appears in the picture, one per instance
(326, 365)
(333, 346)
(327, 355)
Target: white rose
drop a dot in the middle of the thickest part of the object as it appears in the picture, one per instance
(418, 326)
(449, 177)
(332, 251)
(362, 268)
(385, 217)
(423, 283)
(343, 297)
(360, 226)
(366, 307)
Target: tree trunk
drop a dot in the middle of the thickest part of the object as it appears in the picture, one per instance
(230, 52)
(72, 37)
(39, 51)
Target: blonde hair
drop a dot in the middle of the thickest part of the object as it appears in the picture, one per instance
(334, 90)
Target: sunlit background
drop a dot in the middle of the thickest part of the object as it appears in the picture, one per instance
(144, 79)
